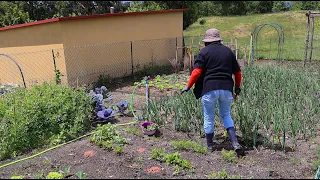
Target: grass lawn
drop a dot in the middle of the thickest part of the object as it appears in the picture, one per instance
(240, 27)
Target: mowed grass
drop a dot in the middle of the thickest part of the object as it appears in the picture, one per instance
(240, 27)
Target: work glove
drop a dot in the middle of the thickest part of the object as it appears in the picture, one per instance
(186, 89)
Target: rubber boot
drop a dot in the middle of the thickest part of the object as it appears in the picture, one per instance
(209, 138)
(232, 135)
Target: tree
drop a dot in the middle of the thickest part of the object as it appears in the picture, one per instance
(12, 13)
(190, 16)
(140, 6)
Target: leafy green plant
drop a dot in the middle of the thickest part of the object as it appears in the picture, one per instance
(189, 145)
(118, 149)
(229, 156)
(54, 175)
(223, 175)
(17, 177)
(158, 154)
(108, 137)
(176, 159)
(31, 118)
(152, 127)
(140, 159)
(173, 158)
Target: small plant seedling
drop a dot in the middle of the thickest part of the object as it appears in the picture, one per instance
(140, 159)
(81, 175)
(189, 145)
(158, 154)
(17, 177)
(222, 175)
(118, 149)
(229, 156)
(54, 175)
(152, 127)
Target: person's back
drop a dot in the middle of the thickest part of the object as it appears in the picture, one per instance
(212, 76)
(219, 63)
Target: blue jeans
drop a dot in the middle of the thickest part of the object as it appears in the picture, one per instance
(209, 101)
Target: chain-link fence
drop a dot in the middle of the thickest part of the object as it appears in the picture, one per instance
(83, 65)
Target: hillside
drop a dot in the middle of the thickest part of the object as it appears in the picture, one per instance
(240, 27)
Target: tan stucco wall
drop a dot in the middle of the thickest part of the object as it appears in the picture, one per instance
(32, 48)
(84, 64)
(104, 47)
(37, 35)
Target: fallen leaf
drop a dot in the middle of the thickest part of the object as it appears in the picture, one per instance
(154, 169)
(88, 154)
(141, 150)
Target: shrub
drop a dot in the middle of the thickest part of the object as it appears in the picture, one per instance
(35, 117)
(202, 21)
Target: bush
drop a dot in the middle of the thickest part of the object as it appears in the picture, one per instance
(35, 117)
(202, 21)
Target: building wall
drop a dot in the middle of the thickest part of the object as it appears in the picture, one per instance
(31, 47)
(109, 38)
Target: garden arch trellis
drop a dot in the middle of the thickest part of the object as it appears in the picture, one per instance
(254, 39)
(310, 25)
(15, 62)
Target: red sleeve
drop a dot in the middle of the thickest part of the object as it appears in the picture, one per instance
(238, 78)
(196, 73)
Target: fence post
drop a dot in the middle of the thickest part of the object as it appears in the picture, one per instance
(54, 61)
(307, 39)
(131, 53)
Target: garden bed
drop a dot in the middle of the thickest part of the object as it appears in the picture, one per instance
(134, 161)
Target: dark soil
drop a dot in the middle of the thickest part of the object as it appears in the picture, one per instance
(259, 162)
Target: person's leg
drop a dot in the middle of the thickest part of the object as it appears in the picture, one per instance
(225, 101)
(209, 103)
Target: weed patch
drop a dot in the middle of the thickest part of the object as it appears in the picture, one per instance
(189, 145)
(223, 175)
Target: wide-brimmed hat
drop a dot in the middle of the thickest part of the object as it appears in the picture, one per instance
(212, 35)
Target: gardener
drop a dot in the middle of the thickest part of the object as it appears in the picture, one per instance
(212, 76)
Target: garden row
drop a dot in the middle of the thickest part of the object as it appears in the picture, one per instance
(276, 103)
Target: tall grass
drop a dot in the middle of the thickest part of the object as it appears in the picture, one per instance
(275, 102)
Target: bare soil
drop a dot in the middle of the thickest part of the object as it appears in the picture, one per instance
(259, 162)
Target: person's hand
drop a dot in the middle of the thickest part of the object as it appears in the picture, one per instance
(186, 89)
(237, 91)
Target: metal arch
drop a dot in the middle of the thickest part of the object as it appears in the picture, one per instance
(280, 32)
(24, 83)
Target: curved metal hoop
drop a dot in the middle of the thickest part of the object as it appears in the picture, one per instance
(24, 83)
(255, 35)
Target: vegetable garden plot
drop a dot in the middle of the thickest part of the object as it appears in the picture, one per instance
(276, 102)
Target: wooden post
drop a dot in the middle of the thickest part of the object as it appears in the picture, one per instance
(236, 48)
(307, 40)
(191, 56)
(311, 40)
(245, 51)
